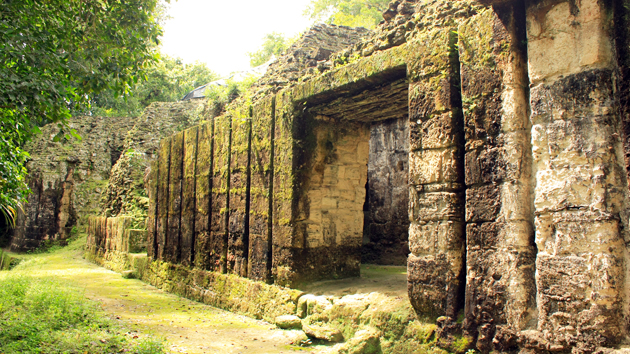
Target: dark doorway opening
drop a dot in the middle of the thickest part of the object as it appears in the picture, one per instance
(386, 219)
(6, 232)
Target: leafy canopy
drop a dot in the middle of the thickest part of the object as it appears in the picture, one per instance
(353, 13)
(55, 55)
(168, 80)
(274, 45)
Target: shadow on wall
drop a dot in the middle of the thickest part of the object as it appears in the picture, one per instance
(5, 232)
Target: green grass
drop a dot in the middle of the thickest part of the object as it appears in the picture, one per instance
(41, 314)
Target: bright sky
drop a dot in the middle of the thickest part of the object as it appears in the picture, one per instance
(221, 32)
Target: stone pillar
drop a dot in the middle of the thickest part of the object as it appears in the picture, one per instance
(261, 191)
(238, 228)
(189, 196)
(285, 242)
(500, 291)
(579, 174)
(436, 178)
(151, 223)
(204, 246)
(164, 159)
(220, 190)
(176, 169)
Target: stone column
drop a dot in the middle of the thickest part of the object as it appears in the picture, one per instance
(164, 159)
(204, 248)
(436, 177)
(189, 196)
(220, 189)
(500, 257)
(238, 219)
(579, 174)
(176, 169)
(261, 191)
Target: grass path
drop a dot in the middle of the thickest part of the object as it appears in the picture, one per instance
(187, 326)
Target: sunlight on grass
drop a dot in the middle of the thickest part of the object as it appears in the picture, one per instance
(40, 312)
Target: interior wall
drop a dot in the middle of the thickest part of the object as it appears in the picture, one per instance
(386, 223)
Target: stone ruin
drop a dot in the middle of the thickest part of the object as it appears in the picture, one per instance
(485, 144)
(487, 138)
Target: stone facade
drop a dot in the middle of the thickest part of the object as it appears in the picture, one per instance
(516, 114)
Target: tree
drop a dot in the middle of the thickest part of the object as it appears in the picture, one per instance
(55, 55)
(274, 44)
(353, 13)
(168, 80)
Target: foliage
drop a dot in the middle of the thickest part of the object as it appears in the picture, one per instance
(54, 56)
(168, 80)
(274, 45)
(353, 13)
(40, 315)
(226, 93)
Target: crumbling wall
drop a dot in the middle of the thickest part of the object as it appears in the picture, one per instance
(66, 178)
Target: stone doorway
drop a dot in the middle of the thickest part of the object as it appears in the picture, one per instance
(355, 186)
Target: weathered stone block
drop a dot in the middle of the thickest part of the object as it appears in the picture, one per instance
(483, 203)
(430, 238)
(579, 297)
(500, 234)
(577, 238)
(566, 37)
(434, 284)
(436, 206)
(499, 292)
(505, 160)
(435, 166)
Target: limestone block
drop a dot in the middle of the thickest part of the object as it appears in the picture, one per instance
(322, 332)
(566, 37)
(483, 203)
(499, 234)
(433, 283)
(505, 160)
(437, 131)
(577, 187)
(435, 166)
(577, 238)
(499, 290)
(579, 297)
(429, 238)
(137, 241)
(436, 206)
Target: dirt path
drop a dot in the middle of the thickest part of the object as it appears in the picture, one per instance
(188, 327)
